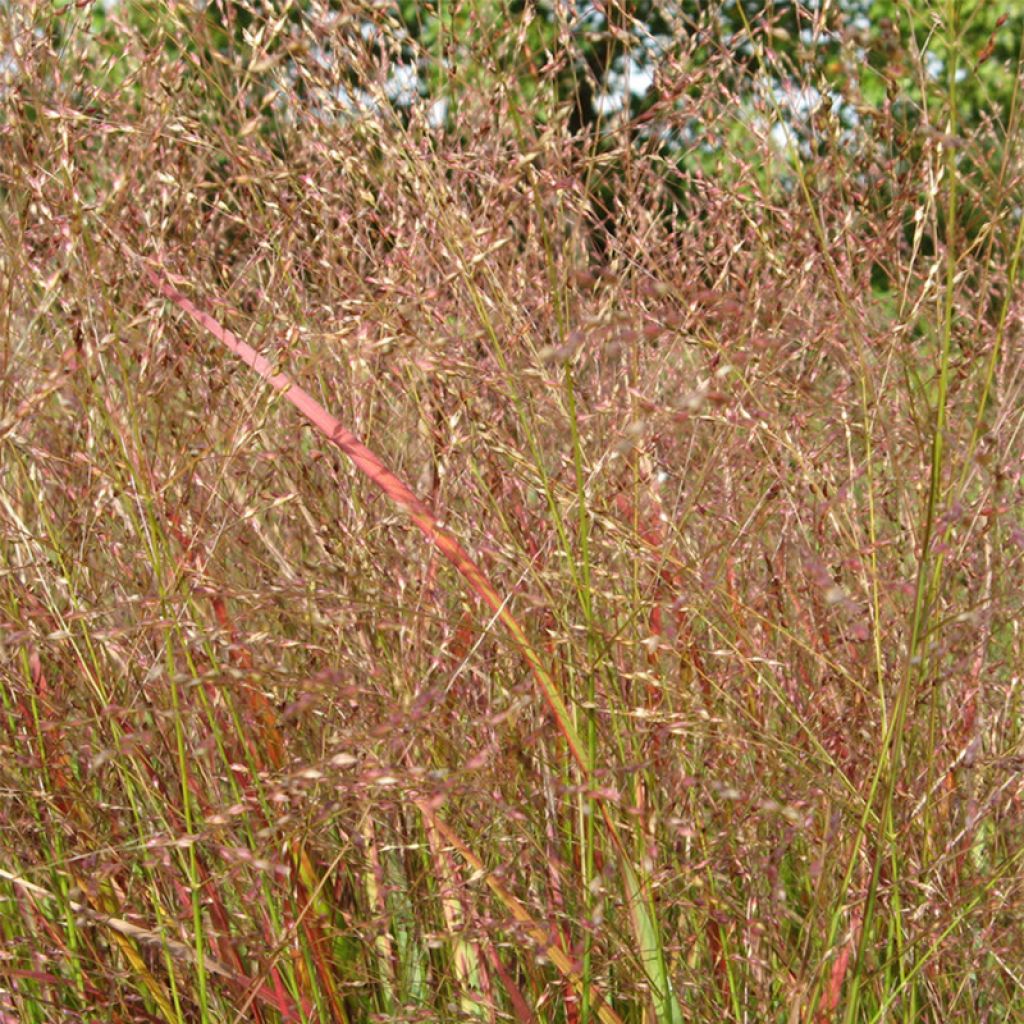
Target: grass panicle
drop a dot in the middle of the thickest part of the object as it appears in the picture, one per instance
(701, 700)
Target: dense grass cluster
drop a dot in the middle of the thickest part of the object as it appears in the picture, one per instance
(649, 650)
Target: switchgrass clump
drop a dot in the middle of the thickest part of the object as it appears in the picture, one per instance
(465, 558)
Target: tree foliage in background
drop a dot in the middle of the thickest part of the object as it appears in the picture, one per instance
(586, 58)
(605, 68)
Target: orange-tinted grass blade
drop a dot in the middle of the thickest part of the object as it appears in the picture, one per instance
(470, 967)
(179, 950)
(552, 950)
(268, 744)
(311, 912)
(372, 467)
(520, 1007)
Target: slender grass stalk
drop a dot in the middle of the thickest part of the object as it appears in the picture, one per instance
(377, 472)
